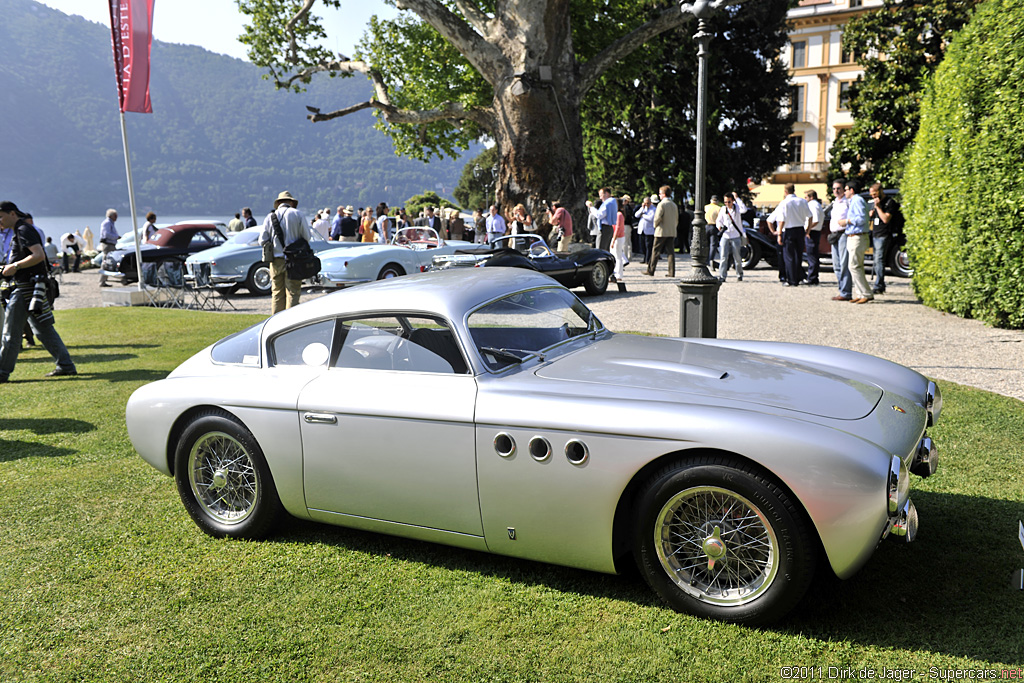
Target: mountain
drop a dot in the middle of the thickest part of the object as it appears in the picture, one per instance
(221, 137)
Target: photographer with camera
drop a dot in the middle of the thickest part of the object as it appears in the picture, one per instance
(23, 293)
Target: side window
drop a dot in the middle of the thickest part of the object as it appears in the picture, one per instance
(406, 343)
(309, 345)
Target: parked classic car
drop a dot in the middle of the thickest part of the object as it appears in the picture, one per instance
(588, 268)
(410, 251)
(488, 408)
(170, 245)
(239, 261)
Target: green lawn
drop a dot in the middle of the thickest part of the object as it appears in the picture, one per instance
(103, 577)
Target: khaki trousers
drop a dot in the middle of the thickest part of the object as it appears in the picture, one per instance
(284, 292)
(856, 247)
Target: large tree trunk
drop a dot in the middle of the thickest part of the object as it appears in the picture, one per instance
(540, 146)
(537, 111)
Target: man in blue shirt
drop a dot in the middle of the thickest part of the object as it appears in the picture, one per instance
(496, 226)
(857, 240)
(607, 216)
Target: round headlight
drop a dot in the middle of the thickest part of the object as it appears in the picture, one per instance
(899, 484)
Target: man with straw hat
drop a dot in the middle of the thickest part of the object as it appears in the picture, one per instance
(284, 292)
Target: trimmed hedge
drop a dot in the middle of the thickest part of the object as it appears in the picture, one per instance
(963, 190)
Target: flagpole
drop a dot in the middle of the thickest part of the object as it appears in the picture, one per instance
(131, 201)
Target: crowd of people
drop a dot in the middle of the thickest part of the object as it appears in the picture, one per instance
(853, 226)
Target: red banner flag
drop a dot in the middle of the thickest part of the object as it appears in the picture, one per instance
(131, 26)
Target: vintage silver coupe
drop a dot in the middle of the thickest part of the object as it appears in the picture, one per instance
(488, 408)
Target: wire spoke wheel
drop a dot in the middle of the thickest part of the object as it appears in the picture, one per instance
(716, 545)
(223, 478)
(721, 539)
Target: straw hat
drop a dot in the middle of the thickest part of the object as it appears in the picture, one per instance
(286, 196)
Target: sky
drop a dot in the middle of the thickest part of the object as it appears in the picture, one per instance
(216, 24)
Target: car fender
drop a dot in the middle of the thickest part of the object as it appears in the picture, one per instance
(838, 477)
(156, 413)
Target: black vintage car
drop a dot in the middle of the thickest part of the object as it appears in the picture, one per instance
(589, 268)
(166, 252)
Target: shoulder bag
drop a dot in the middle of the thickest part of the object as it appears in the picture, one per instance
(300, 260)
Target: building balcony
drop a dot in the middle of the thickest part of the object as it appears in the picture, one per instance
(803, 172)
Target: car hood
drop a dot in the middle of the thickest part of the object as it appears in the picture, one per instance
(355, 252)
(676, 367)
(214, 253)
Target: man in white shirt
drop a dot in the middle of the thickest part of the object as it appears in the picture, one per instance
(284, 292)
(730, 232)
(71, 245)
(813, 231)
(840, 264)
(793, 216)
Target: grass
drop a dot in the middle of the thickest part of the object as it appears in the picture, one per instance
(103, 577)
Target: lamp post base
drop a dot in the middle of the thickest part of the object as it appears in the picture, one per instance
(698, 308)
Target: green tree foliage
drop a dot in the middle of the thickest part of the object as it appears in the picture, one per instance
(478, 181)
(413, 205)
(964, 185)
(522, 74)
(899, 45)
(639, 123)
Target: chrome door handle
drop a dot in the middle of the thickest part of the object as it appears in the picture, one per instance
(320, 418)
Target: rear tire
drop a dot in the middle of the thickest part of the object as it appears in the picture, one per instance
(223, 478)
(719, 539)
(391, 270)
(751, 255)
(258, 281)
(597, 281)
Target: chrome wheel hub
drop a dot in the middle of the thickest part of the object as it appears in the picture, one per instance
(222, 477)
(716, 545)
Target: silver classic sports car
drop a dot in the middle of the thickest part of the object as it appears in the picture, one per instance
(488, 408)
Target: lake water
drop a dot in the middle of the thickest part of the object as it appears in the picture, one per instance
(55, 226)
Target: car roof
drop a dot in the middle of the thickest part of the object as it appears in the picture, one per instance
(447, 293)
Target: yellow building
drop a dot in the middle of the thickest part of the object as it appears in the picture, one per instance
(821, 75)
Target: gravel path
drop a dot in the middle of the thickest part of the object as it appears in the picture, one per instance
(895, 326)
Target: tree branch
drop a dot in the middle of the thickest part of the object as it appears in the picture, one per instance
(449, 111)
(477, 19)
(620, 49)
(485, 57)
(289, 30)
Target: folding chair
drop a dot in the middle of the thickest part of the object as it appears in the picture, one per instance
(207, 295)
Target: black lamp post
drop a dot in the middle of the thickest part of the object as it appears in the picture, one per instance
(698, 312)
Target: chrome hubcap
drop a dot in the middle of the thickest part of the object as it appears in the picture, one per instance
(716, 545)
(223, 478)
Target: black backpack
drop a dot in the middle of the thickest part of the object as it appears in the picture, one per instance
(300, 260)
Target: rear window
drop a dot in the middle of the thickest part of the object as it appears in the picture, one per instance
(241, 348)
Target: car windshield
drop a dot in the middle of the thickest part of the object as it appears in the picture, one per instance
(528, 245)
(417, 238)
(512, 329)
(246, 237)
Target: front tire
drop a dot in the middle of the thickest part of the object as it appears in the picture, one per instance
(899, 262)
(719, 539)
(223, 479)
(597, 281)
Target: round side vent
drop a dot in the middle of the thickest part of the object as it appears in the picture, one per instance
(504, 445)
(576, 452)
(540, 449)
